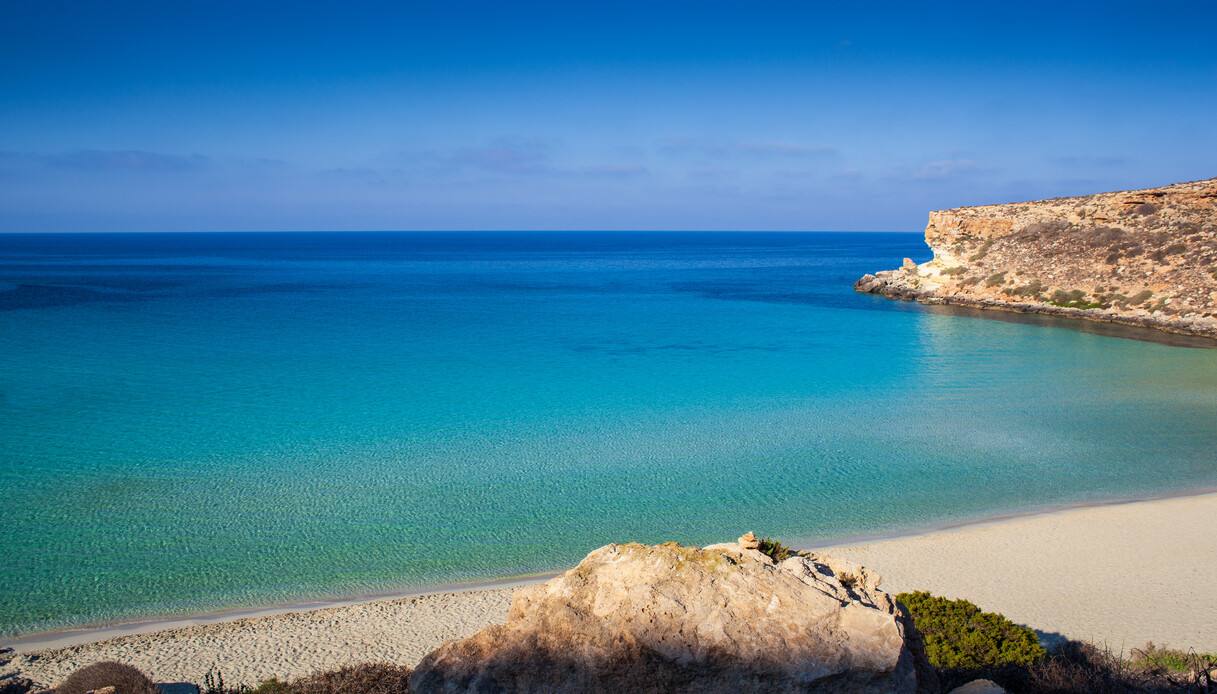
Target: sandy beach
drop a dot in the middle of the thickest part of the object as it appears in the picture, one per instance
(1119, 574)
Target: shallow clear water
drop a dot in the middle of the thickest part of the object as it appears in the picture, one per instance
(191, 422)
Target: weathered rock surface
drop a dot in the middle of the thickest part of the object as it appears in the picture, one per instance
(979, 687)
(1144, 258)
(726, 618)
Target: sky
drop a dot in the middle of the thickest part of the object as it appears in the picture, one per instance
(155, 116)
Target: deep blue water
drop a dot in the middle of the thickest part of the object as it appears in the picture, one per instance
(197, 421)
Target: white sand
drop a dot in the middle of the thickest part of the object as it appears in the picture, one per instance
(1121, 574)
(287, 645)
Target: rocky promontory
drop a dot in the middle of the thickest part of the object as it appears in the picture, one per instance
(1144, 258)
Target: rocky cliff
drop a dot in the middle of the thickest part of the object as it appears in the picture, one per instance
(1143, 257)
(667, 618)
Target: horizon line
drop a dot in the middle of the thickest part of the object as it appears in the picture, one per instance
(463, 231)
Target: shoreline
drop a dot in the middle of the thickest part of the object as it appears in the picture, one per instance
(1176, 333)
(94, 633)
(1121, 572)
(812, 542)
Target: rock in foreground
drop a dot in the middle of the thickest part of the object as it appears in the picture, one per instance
(1144, 258)
(725, 618)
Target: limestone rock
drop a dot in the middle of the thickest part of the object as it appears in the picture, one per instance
(749, 541)
(726, 618)
(979, 687)
(1143, 258)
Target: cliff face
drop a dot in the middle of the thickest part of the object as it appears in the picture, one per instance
(1143, 257)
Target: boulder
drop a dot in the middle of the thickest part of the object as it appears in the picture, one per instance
(724, 618)
(979, 687)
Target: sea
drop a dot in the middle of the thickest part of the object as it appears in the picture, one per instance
(193, 422)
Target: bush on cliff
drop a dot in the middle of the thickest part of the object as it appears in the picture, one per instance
(959, 637)
(776, 550)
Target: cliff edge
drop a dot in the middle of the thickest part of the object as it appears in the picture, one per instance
(1145, 258)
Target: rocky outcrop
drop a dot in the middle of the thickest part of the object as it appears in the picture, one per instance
(725, 618)
(1145, 258)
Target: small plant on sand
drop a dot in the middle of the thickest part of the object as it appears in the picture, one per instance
(124, 678)
(1075, 667)
(272, 686)
(959, 637)
(1173, 659)
(213, 683)
(367, 678)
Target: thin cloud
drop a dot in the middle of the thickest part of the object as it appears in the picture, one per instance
(946, 169)
(719, 149)
(126, 160)
(512, 157)
(1080, 161)
(612, 171)
(509, 156)
(107, 161)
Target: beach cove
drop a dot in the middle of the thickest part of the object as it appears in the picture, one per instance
(507, 402)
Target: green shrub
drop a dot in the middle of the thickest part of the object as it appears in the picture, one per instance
(272, 686)
(956, 270)
(368, 678)
(995, 279)
(124, 678)
(960, 637)
(982, 251)
(776, 550)
(1033, 289)
(1140, 297)
(1074, 298)
(1172, 659)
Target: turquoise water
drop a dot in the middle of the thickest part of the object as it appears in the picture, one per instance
(195, 422)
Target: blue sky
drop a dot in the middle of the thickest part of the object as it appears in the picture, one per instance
(515, 115)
